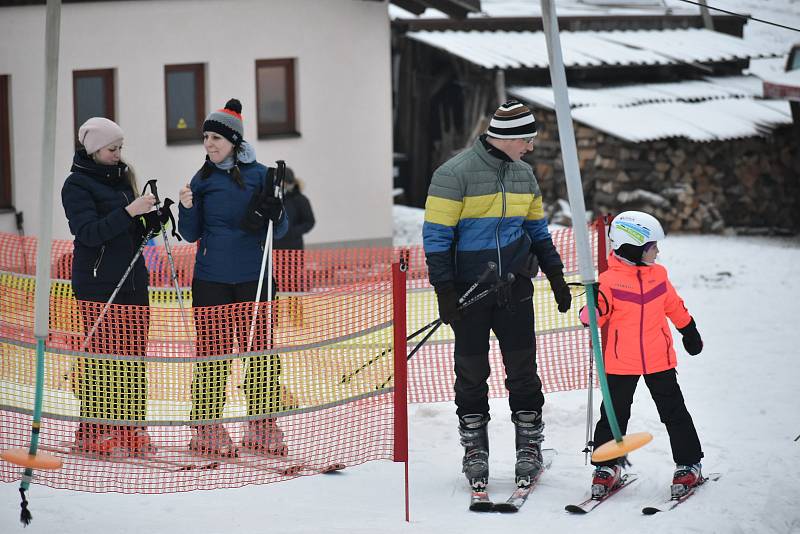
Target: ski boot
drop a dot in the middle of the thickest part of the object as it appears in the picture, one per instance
(475, 439)
(264, 435)
(606, 478)
(136, 440)
(685, 478)
(212, 440)
(529, 437)
(97, 440)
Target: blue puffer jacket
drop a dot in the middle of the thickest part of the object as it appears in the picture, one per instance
(106, 238)
(226, 253)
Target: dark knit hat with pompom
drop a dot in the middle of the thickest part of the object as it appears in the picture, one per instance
(227, 122)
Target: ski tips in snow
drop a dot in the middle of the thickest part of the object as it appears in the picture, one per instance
(593, 502)
(480, 501)
(671, 503)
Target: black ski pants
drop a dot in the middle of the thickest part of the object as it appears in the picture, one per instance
(509, 314)
(671, 408)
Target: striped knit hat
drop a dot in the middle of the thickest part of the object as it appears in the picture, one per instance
(227, 122)
(512, 120)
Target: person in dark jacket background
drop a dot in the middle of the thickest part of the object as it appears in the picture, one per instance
(299, 212)
(101, 205)
(301, 221)
(227, 269)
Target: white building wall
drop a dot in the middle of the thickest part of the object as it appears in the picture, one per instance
(343, 84)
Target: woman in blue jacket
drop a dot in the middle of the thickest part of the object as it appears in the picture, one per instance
(226, 271)
(101, 204)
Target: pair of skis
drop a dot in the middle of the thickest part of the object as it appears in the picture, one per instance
(481, 502)
(663, 505)
(180, 459)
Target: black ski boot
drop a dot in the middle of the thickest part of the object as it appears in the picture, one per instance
(475, 439)
(530, 434)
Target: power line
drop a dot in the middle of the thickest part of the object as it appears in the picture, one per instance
(743, 16)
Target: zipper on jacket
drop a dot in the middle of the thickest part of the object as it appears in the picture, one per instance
(616, 339)
(641, 320)
(502, 216)
(133, 245)
(668, 339)
(99, 260)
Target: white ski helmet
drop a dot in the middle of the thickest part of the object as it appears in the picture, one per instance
(634, 228)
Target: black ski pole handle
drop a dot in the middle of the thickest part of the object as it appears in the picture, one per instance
(280, 175)
(491, 267)
(153, 189)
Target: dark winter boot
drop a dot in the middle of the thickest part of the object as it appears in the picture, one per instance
(530, 434)
(475, 439)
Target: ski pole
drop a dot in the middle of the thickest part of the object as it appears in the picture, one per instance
(491, 267)
(509, 280)
(277, 192)
(589, 410)
(168, 248)
(91, 333)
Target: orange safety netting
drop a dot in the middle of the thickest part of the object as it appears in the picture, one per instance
(181, 373)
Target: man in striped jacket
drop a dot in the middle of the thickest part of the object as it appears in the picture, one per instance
(484, 205)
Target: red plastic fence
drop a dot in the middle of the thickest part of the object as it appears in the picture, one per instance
(319, 366)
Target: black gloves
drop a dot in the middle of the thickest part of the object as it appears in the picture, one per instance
(691, 338)
(273, 207)
(259, 210)
(150, 223)
(448, 303)
(561, 291)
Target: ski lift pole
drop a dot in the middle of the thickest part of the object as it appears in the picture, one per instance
(30, 458)
(569, 153)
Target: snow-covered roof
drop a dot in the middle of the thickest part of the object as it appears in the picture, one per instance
(632, 95)
(713, 109)
(513, 50)
(532, 8)
(783, 85)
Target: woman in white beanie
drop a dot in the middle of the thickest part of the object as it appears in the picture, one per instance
(101, 204)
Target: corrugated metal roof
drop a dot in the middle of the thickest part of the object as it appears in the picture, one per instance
(713, 109)
(632, 95)
(513, 50)
(712, 120)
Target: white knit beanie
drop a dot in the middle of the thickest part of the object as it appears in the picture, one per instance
(97, 133)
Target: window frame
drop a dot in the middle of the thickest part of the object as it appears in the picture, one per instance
(109, 111)
(176, 136)
(267, 130)
(5, 142)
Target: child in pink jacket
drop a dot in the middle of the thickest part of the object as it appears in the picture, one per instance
(635, 300)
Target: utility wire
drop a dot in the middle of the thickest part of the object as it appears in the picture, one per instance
(743, 16)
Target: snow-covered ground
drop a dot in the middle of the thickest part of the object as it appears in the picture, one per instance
(742, 392)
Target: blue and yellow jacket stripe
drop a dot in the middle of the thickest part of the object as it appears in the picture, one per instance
(481, 208)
